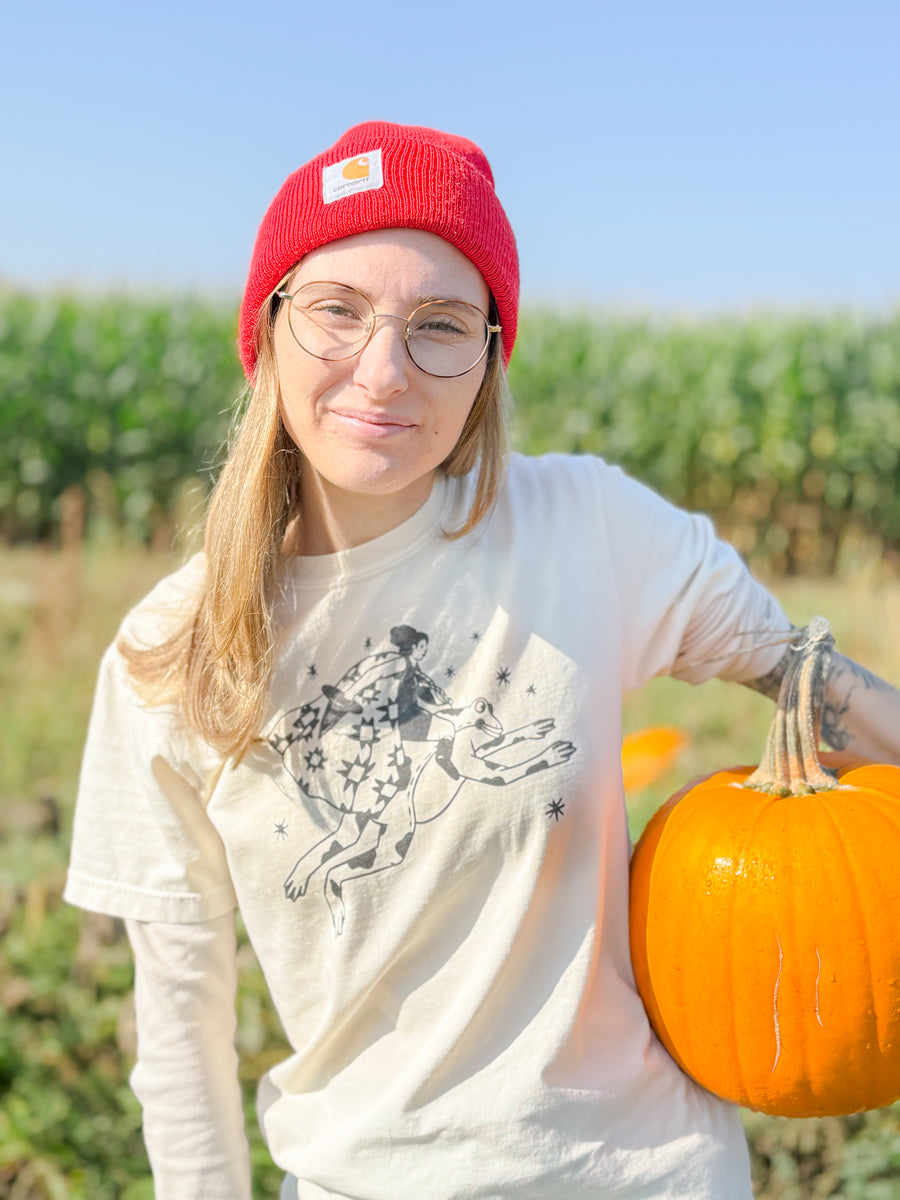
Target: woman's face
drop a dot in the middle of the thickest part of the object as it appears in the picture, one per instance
(375, 425)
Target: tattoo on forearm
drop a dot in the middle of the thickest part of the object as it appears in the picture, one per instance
(834, 731)
(846, 666)
(770, 684)
(845, 722)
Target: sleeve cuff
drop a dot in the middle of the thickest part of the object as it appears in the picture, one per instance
(116, 899)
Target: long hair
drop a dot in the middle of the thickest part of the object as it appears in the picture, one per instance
(217, 665)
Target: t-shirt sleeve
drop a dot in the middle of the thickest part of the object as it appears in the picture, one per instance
(689, 606)
(143, 846)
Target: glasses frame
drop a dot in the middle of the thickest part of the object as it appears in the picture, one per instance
(489, 328)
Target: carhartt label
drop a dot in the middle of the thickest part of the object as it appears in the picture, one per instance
(357, 174)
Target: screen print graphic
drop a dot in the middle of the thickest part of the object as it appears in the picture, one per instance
(388, 750)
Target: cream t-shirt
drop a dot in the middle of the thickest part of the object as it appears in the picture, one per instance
(429, 846)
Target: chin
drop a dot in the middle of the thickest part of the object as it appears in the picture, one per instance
(370, 478)
(379, 473)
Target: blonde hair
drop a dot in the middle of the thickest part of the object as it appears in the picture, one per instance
(217, 665)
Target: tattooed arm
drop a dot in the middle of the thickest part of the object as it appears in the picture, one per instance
(861, 713)
(770, 685)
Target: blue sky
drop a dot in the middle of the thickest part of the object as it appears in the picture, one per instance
(685, 157)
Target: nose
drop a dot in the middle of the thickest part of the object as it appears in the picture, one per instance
(383, 365)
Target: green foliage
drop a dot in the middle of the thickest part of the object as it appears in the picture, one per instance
(786, 430)
(120, 398)
(69, 1123)
(856, 1157)
(70, 1126)
(68, 1119)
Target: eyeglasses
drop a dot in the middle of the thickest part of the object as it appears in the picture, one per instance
(332, 321)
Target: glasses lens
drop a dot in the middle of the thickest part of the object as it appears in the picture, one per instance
(446, 337)
(330, 321)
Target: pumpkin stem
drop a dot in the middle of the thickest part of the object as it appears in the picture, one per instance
(790, 764)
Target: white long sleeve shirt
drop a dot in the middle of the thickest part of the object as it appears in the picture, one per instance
(186, 1072)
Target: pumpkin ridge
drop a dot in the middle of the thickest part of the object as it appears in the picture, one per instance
(851, 874)
(854, 777)
(803, 922)
(643, 864)
(869, 866)
(714, 1026)
(666, 833)
(853, 868)
(743, 1069)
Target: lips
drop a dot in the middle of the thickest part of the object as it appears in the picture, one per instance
(373, 422)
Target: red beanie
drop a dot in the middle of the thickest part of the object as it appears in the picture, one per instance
(383, 176)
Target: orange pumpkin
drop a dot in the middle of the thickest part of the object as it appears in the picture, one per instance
(765, 919)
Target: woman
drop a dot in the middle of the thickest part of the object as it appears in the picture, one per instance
(439, 909)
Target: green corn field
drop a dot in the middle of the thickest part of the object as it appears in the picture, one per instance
(785, 429)
(112, 414)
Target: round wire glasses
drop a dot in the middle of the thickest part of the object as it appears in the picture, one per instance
(332, 321)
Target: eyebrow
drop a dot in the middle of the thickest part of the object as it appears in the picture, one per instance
(418, 301)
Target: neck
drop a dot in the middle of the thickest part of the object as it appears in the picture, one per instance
(331, 519)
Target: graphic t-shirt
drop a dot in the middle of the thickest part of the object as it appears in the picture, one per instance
(428, 844)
